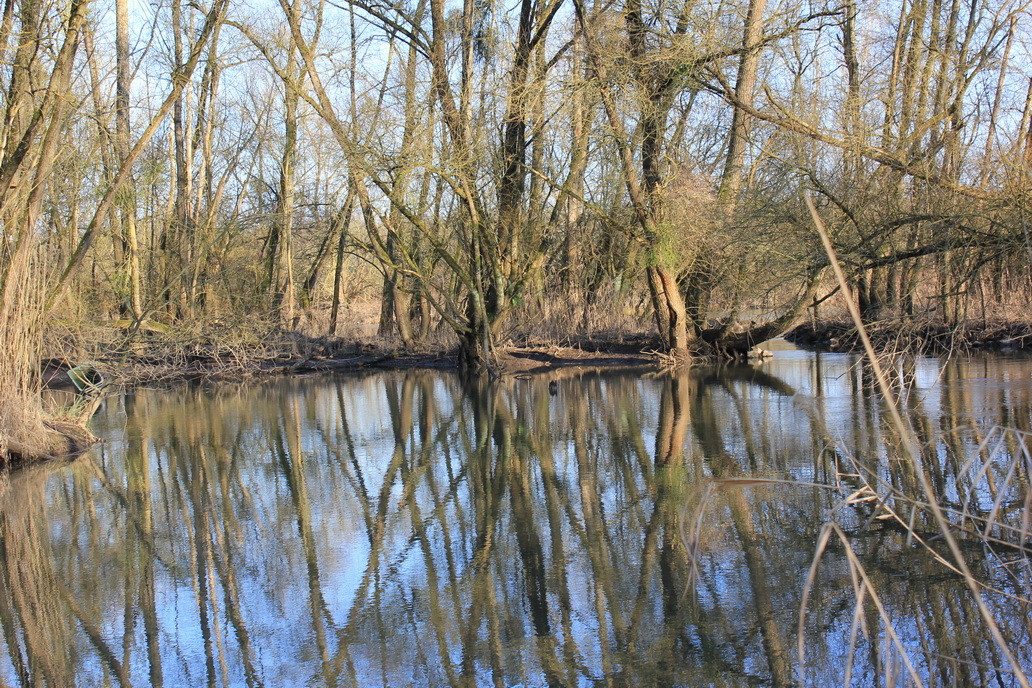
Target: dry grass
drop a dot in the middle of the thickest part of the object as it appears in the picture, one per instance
(557, 317)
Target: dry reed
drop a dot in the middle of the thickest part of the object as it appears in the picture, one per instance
(927, 501)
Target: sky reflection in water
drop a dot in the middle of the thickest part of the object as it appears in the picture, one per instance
(409, 528)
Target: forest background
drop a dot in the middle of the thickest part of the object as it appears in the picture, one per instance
(477, 172)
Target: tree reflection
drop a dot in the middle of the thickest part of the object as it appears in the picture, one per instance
(416, 529)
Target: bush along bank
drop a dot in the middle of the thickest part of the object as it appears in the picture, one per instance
(924, 337)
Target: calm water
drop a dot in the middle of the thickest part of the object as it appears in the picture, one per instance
(407, 528)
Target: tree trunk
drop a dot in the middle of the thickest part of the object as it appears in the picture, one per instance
(745, 84)
(657, 292)
(679, 336)
(338, 270)
(475, 343)
(182, 239)
(127, 209)
(284, 285)
(394, 310)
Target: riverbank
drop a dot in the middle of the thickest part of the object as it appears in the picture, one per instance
(237, 350)
(164, 359)
(929, 337)
(167, 362)
(59, 439)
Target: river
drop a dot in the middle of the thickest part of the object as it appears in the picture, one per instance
(614, 528)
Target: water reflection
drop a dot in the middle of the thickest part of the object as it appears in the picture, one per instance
(416, 529)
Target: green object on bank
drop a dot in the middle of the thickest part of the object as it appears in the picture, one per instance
(87, 379)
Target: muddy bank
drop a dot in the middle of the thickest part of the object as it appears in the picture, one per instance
(919, 337)
(156, 364)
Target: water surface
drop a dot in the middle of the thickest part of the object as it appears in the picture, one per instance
(411, 528)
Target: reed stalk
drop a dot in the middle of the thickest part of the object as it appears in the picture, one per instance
(911, 448)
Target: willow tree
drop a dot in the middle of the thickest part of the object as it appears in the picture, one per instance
(660, 56)
(499, 246)
(490, 247)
